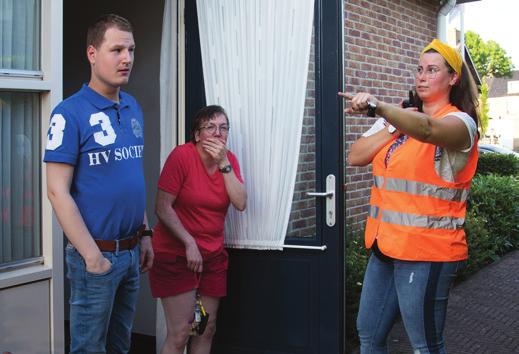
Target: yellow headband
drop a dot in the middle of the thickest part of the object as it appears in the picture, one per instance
(448, 53)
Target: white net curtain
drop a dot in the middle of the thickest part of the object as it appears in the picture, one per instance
(255, 57)
(168, 81)
(168, 116)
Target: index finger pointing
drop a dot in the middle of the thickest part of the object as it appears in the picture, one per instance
(345, 95)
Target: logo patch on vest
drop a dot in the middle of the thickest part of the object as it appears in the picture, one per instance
(136, 127)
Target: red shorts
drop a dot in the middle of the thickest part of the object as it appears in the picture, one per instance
(170, 276)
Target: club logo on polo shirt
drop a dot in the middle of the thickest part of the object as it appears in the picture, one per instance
(136, 127)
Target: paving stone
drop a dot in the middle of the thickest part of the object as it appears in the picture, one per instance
(482, 315)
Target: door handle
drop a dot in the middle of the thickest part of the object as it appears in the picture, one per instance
(330, 199)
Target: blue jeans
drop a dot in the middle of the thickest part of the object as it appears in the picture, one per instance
(418, 291)
(102, 306)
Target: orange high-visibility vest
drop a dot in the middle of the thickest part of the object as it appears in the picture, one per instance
(414, 214)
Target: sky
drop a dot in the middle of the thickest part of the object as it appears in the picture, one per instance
(497, 20)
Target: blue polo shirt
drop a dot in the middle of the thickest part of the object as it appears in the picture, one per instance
(104, 141)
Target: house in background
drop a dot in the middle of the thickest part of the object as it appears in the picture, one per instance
(289, 301)
(503, 110)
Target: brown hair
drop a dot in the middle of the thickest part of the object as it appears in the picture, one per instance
(96, 31)
(464, 94)
(203, 115)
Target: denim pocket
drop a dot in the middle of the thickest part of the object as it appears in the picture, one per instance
(71, 251)
(75, 263)
(111, 258)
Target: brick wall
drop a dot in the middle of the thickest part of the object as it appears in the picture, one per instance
(383, 39)
(303, 214)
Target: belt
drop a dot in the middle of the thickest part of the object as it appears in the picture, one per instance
(120, 245)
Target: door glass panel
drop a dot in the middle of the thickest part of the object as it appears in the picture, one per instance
(302, 220)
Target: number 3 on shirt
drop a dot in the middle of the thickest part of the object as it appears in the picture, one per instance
(55, 135)
(107, 135)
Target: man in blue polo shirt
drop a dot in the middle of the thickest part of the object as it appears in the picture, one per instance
(95, 183)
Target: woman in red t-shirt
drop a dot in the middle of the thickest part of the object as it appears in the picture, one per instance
(198, 182)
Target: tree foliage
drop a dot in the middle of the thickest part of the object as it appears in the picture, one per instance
(483, 107)
(489, 58)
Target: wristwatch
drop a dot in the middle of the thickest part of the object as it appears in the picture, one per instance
(147, 232)
(391, 129)
(372, 107)
(226, 169)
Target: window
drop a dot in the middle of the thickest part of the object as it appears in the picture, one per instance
(19, 36)
(20, 132)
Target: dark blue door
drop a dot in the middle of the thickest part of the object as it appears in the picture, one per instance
(291, 301)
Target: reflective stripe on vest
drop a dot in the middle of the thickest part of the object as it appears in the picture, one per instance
(430, 222)
(418, 188)
(406, 219)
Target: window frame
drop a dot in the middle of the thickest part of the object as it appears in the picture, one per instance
(48, 83)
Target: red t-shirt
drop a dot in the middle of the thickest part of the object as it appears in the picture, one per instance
(201, 201)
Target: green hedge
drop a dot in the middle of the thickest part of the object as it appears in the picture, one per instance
(492, 218)
(498, 164)
(356, 262)
(482, 246)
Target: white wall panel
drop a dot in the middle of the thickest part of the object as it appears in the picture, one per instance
(25, 319)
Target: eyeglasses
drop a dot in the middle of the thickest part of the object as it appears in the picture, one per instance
(430, 72)
(211, 129)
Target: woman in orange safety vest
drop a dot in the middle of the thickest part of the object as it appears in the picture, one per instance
(423, 160)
